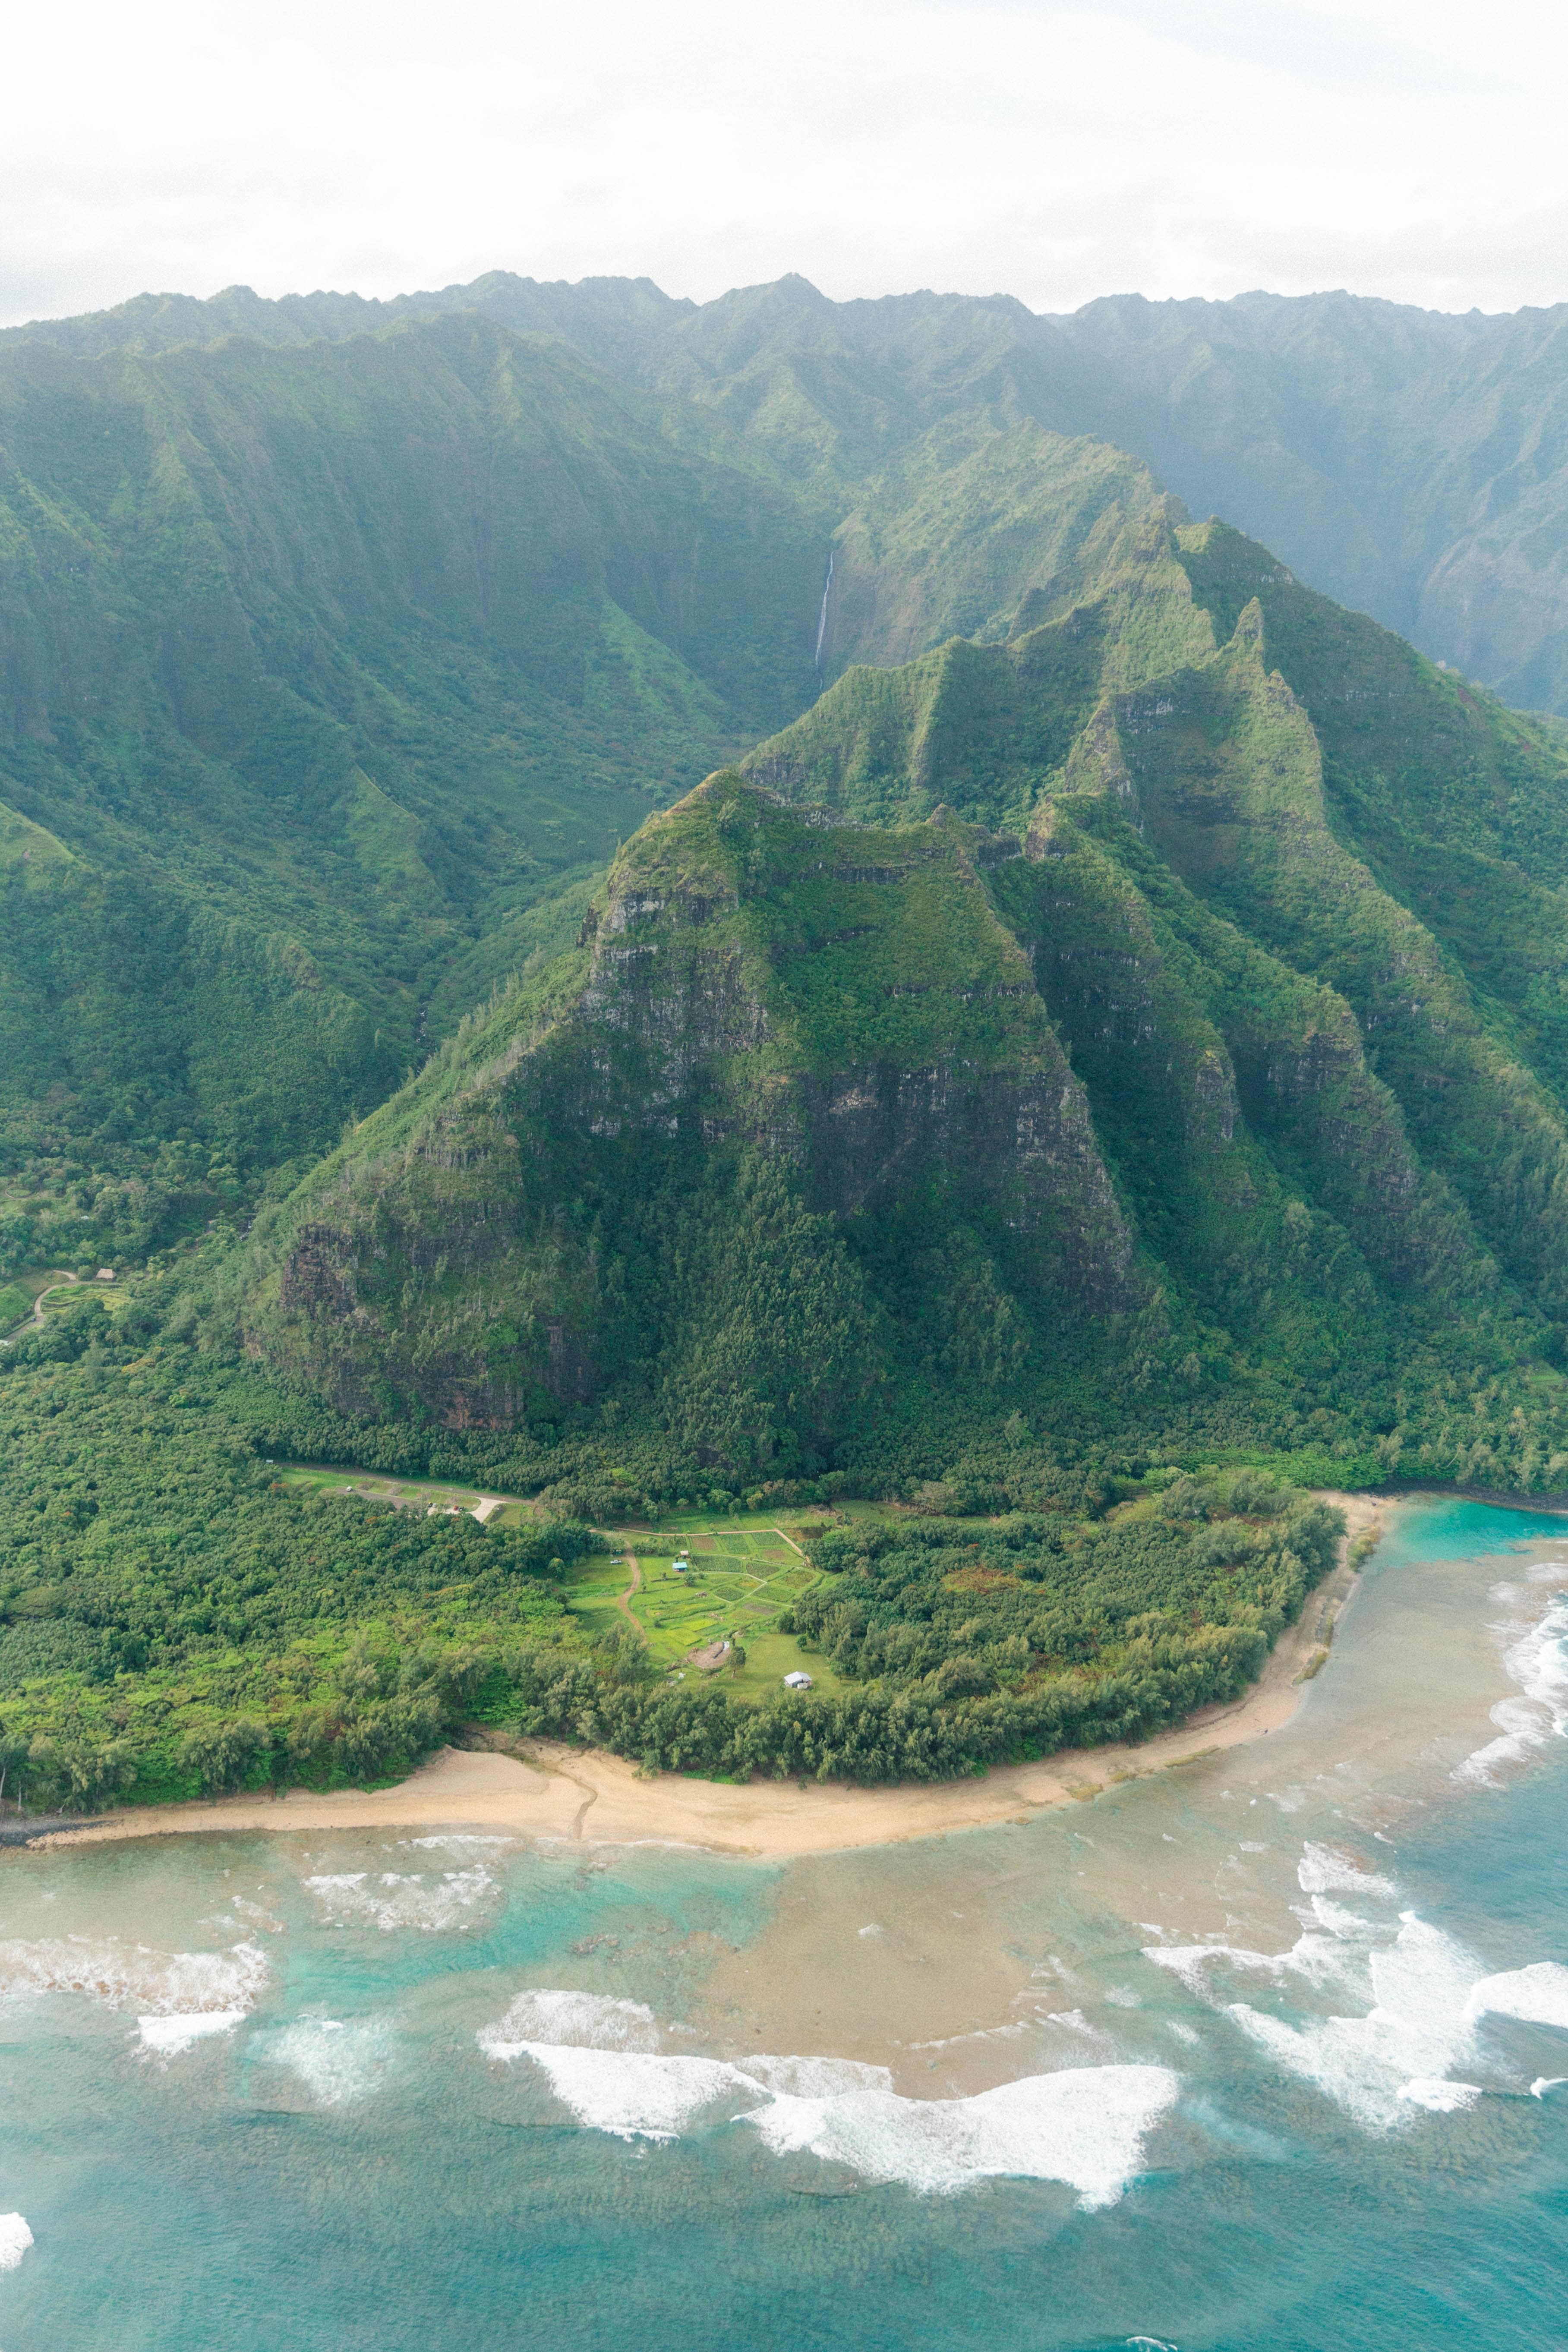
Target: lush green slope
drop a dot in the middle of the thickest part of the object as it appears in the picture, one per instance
(341, 642)
(1409, 463)
(325, 670)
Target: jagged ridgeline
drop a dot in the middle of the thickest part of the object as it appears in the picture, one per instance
(1149, 1027)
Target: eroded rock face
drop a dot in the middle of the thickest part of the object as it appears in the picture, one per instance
(759, 982)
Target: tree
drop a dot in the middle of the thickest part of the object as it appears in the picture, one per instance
(223, 1753)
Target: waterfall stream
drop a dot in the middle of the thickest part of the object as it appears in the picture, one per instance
(822, 618)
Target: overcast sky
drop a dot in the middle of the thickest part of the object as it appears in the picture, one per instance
(1055, 152)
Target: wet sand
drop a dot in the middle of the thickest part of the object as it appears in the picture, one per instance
(541, 1789)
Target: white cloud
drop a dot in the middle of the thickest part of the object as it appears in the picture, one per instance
(1050, 151)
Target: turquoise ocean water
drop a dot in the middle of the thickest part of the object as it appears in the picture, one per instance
(1260, 2053)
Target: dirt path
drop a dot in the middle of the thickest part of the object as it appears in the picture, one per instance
(623, 1600)
(36, 1320)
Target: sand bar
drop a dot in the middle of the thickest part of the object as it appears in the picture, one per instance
(541, 1789)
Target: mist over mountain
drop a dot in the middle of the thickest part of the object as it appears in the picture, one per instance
(1411, 464)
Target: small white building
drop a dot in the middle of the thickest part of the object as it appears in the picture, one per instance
(797, 1681)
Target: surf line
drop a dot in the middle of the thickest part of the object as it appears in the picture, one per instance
(822, 617)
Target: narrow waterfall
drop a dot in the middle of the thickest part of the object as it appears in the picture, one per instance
(822, 618)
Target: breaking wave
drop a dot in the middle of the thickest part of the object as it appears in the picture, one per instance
(581, 2020)
(173, 1993)
(1536, 1659)
(1420, 1994)
(168, 2036)
(456, 1900)
(1538, 1995)
(1085, 2126)
(15, 2240)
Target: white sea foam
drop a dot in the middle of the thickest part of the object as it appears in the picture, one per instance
(1416, 2032)
(1438, 2097)
(1420, 1995)
(576, 2020)
(461, 1840)
(1538, 1994)
(168, 2036)
(1321, 1871)
(338, 2061)
(817, 2078)
(1331, 1954)
(136, 1975)
(631, 2093)
(1536, 1659)
(15, 2240)
(1086, 2127)
(388, 1899)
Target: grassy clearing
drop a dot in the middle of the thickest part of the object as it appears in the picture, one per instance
(408, 1494)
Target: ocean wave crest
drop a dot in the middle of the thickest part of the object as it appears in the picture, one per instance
(1085, 2126)
(167, 2037)
(1536, 1659)
(582, 2020)
(1537, 1994)
(1421, 1997)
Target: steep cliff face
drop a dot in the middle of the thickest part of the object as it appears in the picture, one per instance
(765, 997)
(1228, 773)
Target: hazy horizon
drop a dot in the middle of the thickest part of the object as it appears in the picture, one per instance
(1060, 152)
(894, 294)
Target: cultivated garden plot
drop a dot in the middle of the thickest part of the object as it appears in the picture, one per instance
(736, 1581)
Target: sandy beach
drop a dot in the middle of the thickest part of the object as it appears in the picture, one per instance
(541, 1789)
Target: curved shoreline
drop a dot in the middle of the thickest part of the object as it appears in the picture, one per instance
(542, 1788)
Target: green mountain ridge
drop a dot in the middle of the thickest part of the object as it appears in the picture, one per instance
(1021, 1036)
(1410, 463)
(342, 641)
